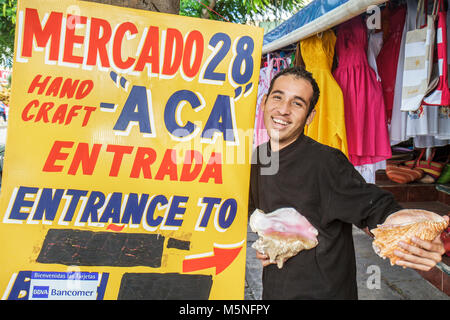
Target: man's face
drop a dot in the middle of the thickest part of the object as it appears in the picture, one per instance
(286, 109)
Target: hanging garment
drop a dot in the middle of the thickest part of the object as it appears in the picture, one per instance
(387, 59)
(400, 119)
(373, 49)
(375, 43)
(328, 126)
(260, 133)
(365, 117)
(429, 126)
(368, 171)
(448, 40)
(266, 74)
(441, 96)
(419, 48)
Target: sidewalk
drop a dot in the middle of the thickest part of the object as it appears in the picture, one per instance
(396, 283)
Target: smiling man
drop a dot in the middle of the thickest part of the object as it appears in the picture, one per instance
(320, 183)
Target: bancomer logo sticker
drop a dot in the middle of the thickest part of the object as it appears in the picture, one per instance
(64, 285)
(40, 292)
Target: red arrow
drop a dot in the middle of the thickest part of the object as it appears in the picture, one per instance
(221, 259)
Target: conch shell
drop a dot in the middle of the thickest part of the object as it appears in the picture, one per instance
(402, 226)
(282, 234)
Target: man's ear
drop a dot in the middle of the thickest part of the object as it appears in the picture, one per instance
(311, 117)
(263, 102)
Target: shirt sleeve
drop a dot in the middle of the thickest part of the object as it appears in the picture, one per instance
(253, 192)
(348, 198)
(251, 201)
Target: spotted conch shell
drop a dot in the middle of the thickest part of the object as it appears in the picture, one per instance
(283, 233)
(402, 226)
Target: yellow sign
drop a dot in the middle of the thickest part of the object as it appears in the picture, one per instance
(127, 165)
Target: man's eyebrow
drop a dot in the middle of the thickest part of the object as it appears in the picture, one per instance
(277, 92)
(295, 97)
(300, 98)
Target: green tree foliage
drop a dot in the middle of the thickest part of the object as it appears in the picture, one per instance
(238, 11)
(7, 26)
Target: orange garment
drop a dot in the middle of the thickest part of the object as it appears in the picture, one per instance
(328, 126)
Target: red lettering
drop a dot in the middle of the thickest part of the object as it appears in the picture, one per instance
(53, 89)
(72, 39)
(193, 38)
(87, 116)
(60, 114)
(82, 157)
(151, 44)
(84, 89)
(213, 169)
(117, 46)
(25, 116)
(187, 174)
(119, 152)
(43, 112)
(36, 84)
(33, 30)
(172, 60)
(68, 89)
(168, 166)
(56, 154)
(97, 43)
(142, 162)
(72, 113)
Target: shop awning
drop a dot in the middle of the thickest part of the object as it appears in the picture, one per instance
(318, 16)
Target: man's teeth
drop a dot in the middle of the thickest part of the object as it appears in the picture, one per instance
(280, 121)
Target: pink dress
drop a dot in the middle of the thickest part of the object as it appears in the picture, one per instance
(365, 113)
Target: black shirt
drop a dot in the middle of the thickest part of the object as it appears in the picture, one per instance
(320, 183)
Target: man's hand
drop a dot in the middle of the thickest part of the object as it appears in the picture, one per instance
(263, 258)
(423, 255)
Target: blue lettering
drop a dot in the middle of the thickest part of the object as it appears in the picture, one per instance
(76, 195)
(94, 203)
(170, 111)
(159, 199)
(49, 204)
(225, 220)
(220, 119)
(112, 210)
(174, 210)
(138, 99)
(211, 202)
(134, 208)
(20, 203)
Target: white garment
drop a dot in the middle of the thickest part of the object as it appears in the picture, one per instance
(430, 126)
(373, 49)
(397, 128)
(374, 46)
(367, 171)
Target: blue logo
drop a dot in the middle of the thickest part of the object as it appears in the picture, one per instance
(40, 292)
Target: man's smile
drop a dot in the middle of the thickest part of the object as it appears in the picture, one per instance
(279, 123)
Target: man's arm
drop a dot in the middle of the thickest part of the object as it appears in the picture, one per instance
(366, 205)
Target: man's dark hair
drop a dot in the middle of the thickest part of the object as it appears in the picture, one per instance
(299, 72)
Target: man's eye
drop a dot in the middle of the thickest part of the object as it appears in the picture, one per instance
(276, 97)
(298, 104)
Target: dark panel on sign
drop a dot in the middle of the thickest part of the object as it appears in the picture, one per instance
(88, 248)
(164, 286)
(178, 244)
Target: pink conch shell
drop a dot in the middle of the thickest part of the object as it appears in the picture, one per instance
(402, 226)
(282, 234)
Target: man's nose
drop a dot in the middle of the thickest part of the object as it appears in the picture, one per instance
(283, 107)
